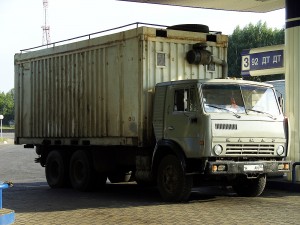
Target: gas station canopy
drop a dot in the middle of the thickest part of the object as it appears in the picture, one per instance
(232, 5)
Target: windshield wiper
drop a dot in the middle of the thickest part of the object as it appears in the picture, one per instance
(222, 108)
(262, 112)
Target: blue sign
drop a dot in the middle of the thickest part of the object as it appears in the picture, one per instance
(252, 62)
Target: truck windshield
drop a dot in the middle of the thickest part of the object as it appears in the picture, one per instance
(234, 98)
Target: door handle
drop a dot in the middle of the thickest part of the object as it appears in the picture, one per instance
(170, 128)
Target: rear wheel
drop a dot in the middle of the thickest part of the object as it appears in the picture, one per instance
(250, 187)
(82, 174)
(172, 182)
(56, 170)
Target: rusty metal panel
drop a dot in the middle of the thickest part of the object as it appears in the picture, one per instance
(101, 89)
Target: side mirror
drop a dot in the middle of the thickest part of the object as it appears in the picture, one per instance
(281, 103)
(193, 119)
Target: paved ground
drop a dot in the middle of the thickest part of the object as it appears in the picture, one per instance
(35, 203)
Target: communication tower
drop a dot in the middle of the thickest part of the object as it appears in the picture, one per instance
(46, 27)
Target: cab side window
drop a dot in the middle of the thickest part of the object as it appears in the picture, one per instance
(185, 100)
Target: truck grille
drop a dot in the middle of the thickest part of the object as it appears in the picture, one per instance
(250, 149)
(225, 126)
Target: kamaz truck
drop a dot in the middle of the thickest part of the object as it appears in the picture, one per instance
(148, 104)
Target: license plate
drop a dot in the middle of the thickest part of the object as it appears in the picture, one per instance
(253, 167)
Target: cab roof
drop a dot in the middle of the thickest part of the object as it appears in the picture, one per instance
(213, 81)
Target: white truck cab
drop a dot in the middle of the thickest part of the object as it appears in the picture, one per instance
(220, 129)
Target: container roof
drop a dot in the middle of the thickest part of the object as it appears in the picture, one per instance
(231, 5)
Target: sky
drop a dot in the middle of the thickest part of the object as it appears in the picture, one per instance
(21, 22)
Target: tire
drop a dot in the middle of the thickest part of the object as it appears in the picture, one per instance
(82, 174)
(191, 27)
(56, 170)
(173, 184)
(250, 187)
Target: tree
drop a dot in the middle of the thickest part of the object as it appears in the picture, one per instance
(251, 36)
(7, 108)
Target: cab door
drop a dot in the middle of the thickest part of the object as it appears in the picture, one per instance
(181, 117)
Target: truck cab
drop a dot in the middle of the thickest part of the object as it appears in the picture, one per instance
(218, 130)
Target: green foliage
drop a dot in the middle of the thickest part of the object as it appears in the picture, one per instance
(2, 139)
(251, 36)
(7, 107)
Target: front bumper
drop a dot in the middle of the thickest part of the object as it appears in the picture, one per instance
(247, 167)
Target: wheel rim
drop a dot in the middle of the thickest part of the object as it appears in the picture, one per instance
(54, 170)
(79, 171)
(169, 178)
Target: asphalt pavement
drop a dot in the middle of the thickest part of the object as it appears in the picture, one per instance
(127, 203)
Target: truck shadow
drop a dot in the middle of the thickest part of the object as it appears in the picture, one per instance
(39, 197)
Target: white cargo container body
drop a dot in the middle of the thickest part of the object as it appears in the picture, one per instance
(99, 91)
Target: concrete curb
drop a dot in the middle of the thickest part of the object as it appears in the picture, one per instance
(8, 130)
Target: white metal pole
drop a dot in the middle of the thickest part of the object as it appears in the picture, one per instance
(1, 118)
(292, 48)
(1, 128)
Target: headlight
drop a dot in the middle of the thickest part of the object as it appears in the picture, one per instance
(280, 150)
(218, 149)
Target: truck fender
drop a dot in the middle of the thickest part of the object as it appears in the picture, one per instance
(163, 148)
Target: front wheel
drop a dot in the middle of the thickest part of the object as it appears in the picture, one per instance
(250, 187)
(172, 182)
